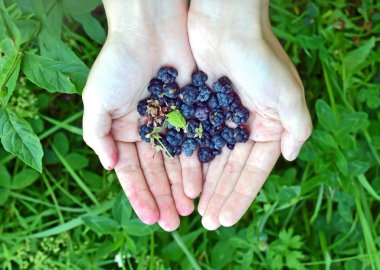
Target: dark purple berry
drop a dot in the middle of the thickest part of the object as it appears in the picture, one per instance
(216, 117)
(230, 146)
(192, 125)
(201, 112)
(199, 78)
(228, 135)
(205, 140)
(217, 141)
(189, 94)
(167, 74)
(142, 106)
(187, 110)
(236, 102)
(223, 85)
(212, 129)
(172, 149)
(240, 116)
(205, 155)
(171, 90)
(213, 101)
(156, 87)
(224, 99)
(241, 134)
(204, 93)
(145, 130)
(173, 103)
(189, 146)
(216, 152)
(174, 137)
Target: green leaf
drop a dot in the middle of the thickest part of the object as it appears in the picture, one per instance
(324, 140)
(5, 184)
(353, 122)
(77, 161)
(24, 179)
(325, 115)
(135, 227)
(219, 255)
(356, 57)
(51, 75)
(18, 138)
(92, 27)
(122, 210)
(341, 162)
(101, 225)
(74, 7)
(176, 119)
(61, 142)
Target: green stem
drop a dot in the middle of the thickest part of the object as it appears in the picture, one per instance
(185, 250)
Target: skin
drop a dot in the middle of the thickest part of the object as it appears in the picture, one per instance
(143, 36)
(237, 41)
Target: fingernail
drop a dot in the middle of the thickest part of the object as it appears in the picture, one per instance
(294, 155)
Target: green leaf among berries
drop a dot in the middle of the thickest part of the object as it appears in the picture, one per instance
(176, 119)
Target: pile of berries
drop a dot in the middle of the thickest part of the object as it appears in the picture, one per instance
(193, 117)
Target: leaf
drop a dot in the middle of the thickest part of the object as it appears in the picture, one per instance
(24, 179)
(356, 57)
(353, 122)
(176, 119)
(77, 161)
(122, 209)
(173, 251)
(61, 142)
(219, 255)
(135, 227)
(18, 138)
(74, 7)
(325, 115)
(92, 27)
(51, 75)
(5, 183)
(341, 163)
(101, 225)
(324, 140)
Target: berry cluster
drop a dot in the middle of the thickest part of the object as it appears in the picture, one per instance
(193, 117)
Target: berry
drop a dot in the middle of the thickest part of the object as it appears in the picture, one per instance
(240, 116)
(167, 74)
(201, 112)
(199, 78)
(228, 135)
(145, 130)
(216, 152)
(189, 94)
(189, 146)
(223, 85)
(205, 140)
(173, 103)
(156, 87)
(173, 150)
(240, 134)
(212, 129)
(213, 101)
(187, 110)
(204, 93)
(174, 137)
(205, 155)
(236, 102)
(142, 107)
(192, 125)
(171, 90)
(217, 141)
(224, 99)
(163, 99)
(216, 117)
(230, 146)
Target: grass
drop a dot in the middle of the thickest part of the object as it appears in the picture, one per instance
(320, 212)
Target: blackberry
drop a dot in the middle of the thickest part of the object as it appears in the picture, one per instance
(230, 146)
(212, 129)
(205, 140)
(172, 149)
(192, 125)
(145, 130)
(217, 141)
(236, 102)
(189, 94)
(206, 124)
(216, 152)
(240, 116)
(171, 90)
(223, 85)
(173, 103)
(228, 135)
(156, 87)
(187, 110)
(201, 112)
(174, 137)
(204, 93)
(142, 107)
(162, 99)
(216, 117)
(167, 74)
(189, 146)
(205, 155)
(240, 134)
(199, 78)
(213, 101)
(224, 99)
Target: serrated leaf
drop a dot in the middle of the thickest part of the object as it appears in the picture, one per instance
(18, 138)
(51, 75)
(24, 179)
(176, 119)
(101, 225)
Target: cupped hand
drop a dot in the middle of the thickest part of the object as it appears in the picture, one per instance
(227, 41)
(138, 44)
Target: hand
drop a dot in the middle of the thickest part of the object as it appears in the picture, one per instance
(142, 37)
(237, 41)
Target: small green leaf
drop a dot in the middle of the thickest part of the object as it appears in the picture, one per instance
(176, 119)
(77, 161)
(325, 115)
(5, 183)
(18, 138)
(92, 27)
(24, 179)
(122, 209)
(101, 225)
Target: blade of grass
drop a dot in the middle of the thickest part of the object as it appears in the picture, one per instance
(367, 186)
(63, 125)
(54, 198)
(185, 250)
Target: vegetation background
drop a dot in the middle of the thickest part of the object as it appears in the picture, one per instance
(62, 211)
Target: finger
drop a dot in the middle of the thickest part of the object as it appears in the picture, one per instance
(234, 166)
(191, 175)
(297, 124)
(132, 180)
(214, 172)
(184, 205)
(259, 165)
(152, 165)
(96, 134)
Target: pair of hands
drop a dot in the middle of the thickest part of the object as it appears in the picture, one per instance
(220, 40)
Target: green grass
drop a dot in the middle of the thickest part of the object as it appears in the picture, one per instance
(320, 212)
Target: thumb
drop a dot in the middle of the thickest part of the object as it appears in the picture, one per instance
(96, 133)
(296, 121)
